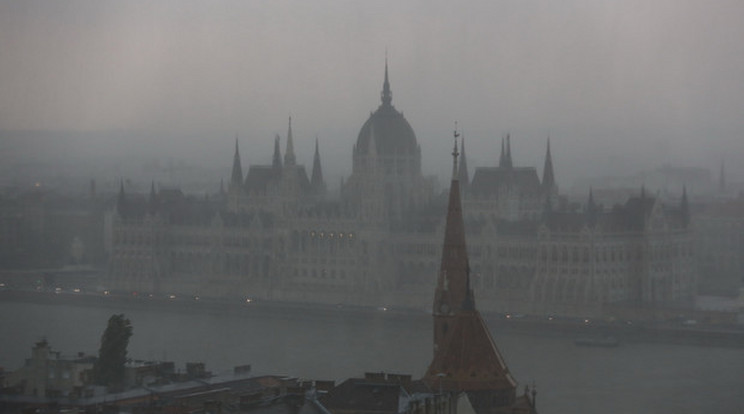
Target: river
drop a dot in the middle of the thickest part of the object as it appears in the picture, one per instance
(328, 344)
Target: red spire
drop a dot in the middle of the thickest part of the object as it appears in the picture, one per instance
(465, 356)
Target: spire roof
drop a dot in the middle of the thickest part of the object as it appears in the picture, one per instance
(453, 286)
(463, 175)
(289, 155)
(548, 180)
(465, 356)
(316, 181)
(387, 94)
(508, 157)
(277, 161)
(236, 179)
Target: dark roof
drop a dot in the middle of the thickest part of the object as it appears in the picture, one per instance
(488, 181)
(632, 216)
(262, 177)
(393, 134)
(362, 396)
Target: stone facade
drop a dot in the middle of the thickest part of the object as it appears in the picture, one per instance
(276, 234)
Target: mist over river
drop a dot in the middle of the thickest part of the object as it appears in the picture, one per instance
(337, 344)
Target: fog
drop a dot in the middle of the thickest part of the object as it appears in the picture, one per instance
(617, 86)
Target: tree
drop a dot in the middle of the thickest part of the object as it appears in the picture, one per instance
(109, 368)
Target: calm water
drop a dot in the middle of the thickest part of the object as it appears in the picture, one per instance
(633, 378)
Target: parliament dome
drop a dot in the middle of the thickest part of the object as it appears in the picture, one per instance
(393, 134)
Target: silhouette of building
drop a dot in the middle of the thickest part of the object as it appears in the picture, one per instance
(466, 359)
(275, 233)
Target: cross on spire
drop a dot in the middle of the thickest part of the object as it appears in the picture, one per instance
(455, 153)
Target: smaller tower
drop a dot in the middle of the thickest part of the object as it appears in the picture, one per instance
(548, 180)
(549, 186)
(289, 155)
(236, 178)
(508, 157)
(316, 180)
(277, 161)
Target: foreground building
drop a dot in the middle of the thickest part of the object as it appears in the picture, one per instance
(466, 359)
(274, 233)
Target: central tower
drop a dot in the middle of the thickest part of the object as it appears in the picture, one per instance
(387, 146)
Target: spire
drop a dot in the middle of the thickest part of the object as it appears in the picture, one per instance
(508, 157)
(277, 162)
(453, 287)
(548, 180)
(289, 156)
(455, 171)
(236, 179)
(387, 95)
(317, 178)
(465, 356)
(463, 175)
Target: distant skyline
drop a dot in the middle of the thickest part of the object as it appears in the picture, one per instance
(618, 86)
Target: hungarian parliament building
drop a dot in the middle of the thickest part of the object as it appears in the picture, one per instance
(273, 233)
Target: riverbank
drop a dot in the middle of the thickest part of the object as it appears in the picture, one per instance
(624, 331)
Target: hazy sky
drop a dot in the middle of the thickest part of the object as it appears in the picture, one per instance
(614, 83)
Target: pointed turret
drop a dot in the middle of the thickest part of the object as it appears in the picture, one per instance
(463, 175)
(277, 161)
(289, 155)
(316, 181)
(465, 356)
(508, 156)
(453, 291)
(387, 94)
(236, 178)
(548, 180)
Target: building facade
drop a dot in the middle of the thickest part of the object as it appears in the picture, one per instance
(274, 233)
